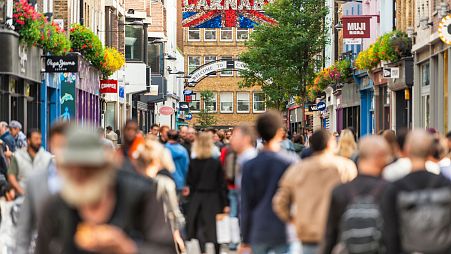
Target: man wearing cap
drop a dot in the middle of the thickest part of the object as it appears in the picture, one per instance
(27, 159)
(8, 140)
(100, 209)
(16, 131)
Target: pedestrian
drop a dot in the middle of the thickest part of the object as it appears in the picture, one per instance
(188, 135)
(9, 142)
(390, 137)
(207, 193)
(229, 133)
(119, 139)
(26, 160)
(355, 206)
(40, 186)
(298, 143)
(154, 161)
(286, 143)
(106, 142)
(111, 135)
(307, 187)
(100, 209)
(417, 208)
(222, 137)
(262, 231)
(402, 166)
(181, 159)
(16, 131)
(216, 139)
(164, 134)
(155, 130)
(347, 145)
(130, 133)
(183, 132)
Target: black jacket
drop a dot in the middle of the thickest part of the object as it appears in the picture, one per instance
(137, 213)
(341, 197)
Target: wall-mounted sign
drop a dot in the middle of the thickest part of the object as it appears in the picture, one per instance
(356, 27)
(67, 99)
(188, 116)
(321, 106)
(444, 30)
(215, 66)
(228, 13)
(67, 63)
(121, 93)
(312, 108)
(188, 98)
(184, 106)
(166, 111)
(392, 72)
(187, 92)
(108, 86)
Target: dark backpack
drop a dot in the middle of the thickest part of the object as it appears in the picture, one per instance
(362, 224)
(425, 220)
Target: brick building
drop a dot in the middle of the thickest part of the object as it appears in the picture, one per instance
(232, 105)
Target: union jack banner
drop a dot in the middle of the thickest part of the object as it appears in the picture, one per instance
(224, 13)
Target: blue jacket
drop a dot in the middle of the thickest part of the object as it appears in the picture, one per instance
(9, 140)
(259, 183)
(181, 160)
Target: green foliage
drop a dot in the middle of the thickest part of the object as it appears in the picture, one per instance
(88, 44)
(282, 58)
(54, 40)
(206, 118)
(27, 23)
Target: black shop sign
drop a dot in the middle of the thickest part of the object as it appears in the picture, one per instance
(67, 63)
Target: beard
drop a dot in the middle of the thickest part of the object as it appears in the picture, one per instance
(89, 192)
(35, 148)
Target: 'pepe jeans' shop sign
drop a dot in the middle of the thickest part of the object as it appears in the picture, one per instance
(67, 63)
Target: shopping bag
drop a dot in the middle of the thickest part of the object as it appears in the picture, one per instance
(235, 230)
(193, 247)
(223, 228)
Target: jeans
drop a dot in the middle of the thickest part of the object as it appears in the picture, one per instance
(309, 248)
(233, 198)
(268, 249)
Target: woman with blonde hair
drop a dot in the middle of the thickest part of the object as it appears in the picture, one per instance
(153, 160)
(207, 192)
(346, 144)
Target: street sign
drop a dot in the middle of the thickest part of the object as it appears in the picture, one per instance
(321, 106)
(187, 92)
(188, 116)
(392, 72)
(166, 111)
(356, 26)
(184, 106)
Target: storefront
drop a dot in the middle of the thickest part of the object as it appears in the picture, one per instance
(382, 99)
(20, 81)
(348, 104)
(366, 104)
(113, 103)
(295, 119)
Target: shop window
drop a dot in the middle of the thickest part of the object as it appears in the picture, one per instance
(242, 34)
(211, 105)
(226, 101)
(226, 34)
(425, 101)
(193, 34)
(193, 63)
(259, 104)
(134, 49)
(227, 73)
(210, 34)
(209, 59)
(243, 102)
(194, 105)
(425, 74)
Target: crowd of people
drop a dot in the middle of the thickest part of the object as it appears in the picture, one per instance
(97, 191)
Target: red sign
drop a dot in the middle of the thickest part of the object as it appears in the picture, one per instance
(166, 111)
(108, 86)
(188, 98)
(356, 27)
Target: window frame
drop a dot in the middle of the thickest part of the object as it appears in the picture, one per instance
(215, 96)
(231, 71)
(210, 29)
(191, 29)
(231, 101)
(196, 100)
(200, 63)
(205, 62)
(254, 102)
(248, 102)
(240, 30)
(226, 29)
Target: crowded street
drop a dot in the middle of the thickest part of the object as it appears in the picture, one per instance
(225, 127)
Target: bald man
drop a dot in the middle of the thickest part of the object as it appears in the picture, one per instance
(416, 209)
(374, 154)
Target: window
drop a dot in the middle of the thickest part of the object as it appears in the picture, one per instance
(155, 56)
(211, 105)
(226, 34)
(425, 81)
(259, 102)
(226, 100)
(194, 105)
(210, 34)
(242, 99)
(227, 73)
(134, 48)
(193, 34)
(193, 63)
(209, 59)
(242, 34)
